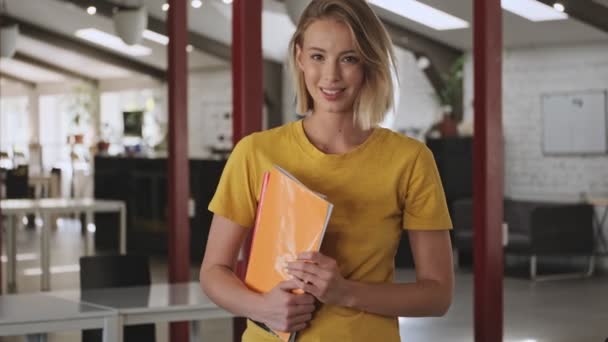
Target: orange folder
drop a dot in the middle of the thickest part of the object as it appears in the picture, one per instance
(290, 219)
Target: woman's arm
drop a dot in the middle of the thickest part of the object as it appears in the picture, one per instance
(430, 295)
(279, 308)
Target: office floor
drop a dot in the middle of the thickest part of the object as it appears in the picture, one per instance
(555, 311)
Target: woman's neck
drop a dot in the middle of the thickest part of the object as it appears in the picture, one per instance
(334, 133)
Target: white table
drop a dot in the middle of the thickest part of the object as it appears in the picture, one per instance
(41, 185)
(151, 304)
(15, 208)
(27, 314)
(599, 220)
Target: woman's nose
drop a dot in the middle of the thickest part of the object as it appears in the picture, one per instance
(331, 72)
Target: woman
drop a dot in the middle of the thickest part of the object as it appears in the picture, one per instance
(380, 183)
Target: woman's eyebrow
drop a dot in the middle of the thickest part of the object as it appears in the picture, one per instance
(322, 50)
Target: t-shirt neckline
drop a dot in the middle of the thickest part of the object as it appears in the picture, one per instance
(310, 149)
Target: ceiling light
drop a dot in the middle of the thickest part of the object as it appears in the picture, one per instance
(423, 14)
(156, 37)
(559, 7)
(533, 10)
(189, 48)
(165, 7)
(423, 62)
(227, 2)
(130, 23)
(196, 3)
(113, 42)
(91, 10)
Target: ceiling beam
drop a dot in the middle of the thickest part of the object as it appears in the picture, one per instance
(587, 11)
(16, 79)
(20, 56)
(76, 45)
(441, 55)
(199, 41)
(272, 85)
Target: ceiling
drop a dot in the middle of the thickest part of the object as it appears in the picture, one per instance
(29, 72)
(517, 31)
(213, 20)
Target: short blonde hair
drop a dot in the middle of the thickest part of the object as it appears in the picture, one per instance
(372, 42)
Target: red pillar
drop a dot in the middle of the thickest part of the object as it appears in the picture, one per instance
(247, 68)
(178, 177)
(247, 91)
(488, 172)
(1, 244)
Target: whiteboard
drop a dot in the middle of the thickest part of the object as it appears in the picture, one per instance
(575, 123)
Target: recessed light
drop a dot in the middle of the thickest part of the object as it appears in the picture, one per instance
(422, 13)
(227, 2)
(559, 7)
(533, 10)
(91, 10)
(196, 3)
(165, 7)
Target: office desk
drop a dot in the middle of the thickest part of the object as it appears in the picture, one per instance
(151, 304)
(27, 314)
(15, 208)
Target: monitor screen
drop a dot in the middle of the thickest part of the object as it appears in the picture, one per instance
(133, 123)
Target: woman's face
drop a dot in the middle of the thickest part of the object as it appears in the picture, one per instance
(333, 70)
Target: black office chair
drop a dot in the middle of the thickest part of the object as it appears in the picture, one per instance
(103, 271)
(17, 182)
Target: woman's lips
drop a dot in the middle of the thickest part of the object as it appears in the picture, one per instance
(332, 94)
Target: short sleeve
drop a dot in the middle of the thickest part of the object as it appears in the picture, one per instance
(235, 197)
(425, 206)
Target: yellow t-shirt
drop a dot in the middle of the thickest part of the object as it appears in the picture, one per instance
(387, 184)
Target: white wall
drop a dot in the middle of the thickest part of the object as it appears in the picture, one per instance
(418, 108)
(209, 99)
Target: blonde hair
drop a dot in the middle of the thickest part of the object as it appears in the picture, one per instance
(372, 42)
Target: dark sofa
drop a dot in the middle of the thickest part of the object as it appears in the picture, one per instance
(535, 229)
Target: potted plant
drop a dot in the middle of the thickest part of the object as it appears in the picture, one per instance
(81, 106)
(449, 98)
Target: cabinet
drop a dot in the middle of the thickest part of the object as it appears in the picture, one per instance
(142, 184)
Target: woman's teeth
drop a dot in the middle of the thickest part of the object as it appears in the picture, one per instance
(331, 92)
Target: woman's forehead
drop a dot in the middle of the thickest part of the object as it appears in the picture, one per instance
(328, 34)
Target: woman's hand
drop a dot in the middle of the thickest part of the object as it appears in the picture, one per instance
(319, 275)
(284, 310)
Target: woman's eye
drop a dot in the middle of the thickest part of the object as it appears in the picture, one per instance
(351, 59)
(316, 57)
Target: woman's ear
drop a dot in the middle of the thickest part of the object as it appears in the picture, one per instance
(299, 57)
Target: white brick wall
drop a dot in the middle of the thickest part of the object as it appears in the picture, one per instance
(528, 73)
